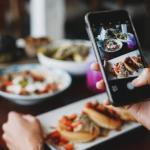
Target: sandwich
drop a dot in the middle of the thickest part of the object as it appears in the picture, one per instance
(124, 114)
(103, 116)
(78, 129)
(130, 65)
(137, 61)
(120, 69)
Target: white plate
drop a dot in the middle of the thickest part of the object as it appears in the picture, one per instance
(109, 51)
(64, 78)
(121, 58)
(50, 119)
(74, 68)
(129, 37)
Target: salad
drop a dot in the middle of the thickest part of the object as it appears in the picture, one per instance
(28, 83)
(73, 52)
(111, 45)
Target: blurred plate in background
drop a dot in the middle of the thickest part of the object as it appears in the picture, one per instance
(61, 79)
(70, 55)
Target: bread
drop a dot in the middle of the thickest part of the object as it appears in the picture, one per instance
(124, 114)
(79, 136)
(120, 69)
(130, 65)
(137, 61)
(103, 116)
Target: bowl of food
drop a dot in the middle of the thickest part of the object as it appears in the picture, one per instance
(122, 37)
(32, 83)
(125, 37)
(111, 45)
(69, 55)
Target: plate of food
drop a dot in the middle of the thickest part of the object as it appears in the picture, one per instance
(124, 37)
(31, 83)
(83, 124)
(111, 45)
(128, 65)
(71, 55)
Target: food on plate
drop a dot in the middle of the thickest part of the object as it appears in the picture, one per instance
(95, 121)
(121, 36)
(55, 138)
(103, 116)
(124, 114)
(127, 67)
(71, 52)
(29, 83)
(130, 65)
(137, 61)
(77, 129)
(120, 69)
(111, 45)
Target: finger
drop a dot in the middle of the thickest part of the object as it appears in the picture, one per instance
(4, 127)
(100, 85)
(29, 118)
(6, 137)
(34, 120)
(10, 146)
(95, 66)
(142, 79)
(107, 101)
(13, 115)
(8, 141)
(139, 112)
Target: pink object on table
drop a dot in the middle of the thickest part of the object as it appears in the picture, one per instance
(91, 78)
(131, 41)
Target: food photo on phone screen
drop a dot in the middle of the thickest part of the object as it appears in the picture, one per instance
(118, 47)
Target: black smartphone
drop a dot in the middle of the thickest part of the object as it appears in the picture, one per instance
(118, 52)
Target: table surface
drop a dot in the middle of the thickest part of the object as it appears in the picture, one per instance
(137, 139)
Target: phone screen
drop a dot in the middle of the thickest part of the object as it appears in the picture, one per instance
(121, 57)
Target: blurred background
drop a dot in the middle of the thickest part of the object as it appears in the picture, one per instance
(61, 19)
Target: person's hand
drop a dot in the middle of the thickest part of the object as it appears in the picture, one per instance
(22, 132)
(141, 110)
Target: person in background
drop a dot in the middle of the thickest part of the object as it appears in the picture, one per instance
(24, 132)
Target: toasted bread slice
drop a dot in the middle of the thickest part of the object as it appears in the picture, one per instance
(120, 70)
(78, 129)
(124, 114)
(130, 65)
(137, 61)
(78, 137)
(102, 119)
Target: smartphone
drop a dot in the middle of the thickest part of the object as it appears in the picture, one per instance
(118, 52)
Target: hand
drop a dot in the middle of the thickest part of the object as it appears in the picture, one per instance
(141, 110)
(22, 132)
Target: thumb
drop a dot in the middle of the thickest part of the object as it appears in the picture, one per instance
(142, 79)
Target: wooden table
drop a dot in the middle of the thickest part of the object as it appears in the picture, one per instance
(137, 139)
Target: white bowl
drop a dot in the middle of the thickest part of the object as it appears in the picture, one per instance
(64, 78)
(112, 51)
(72, 67)
(129, 37)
